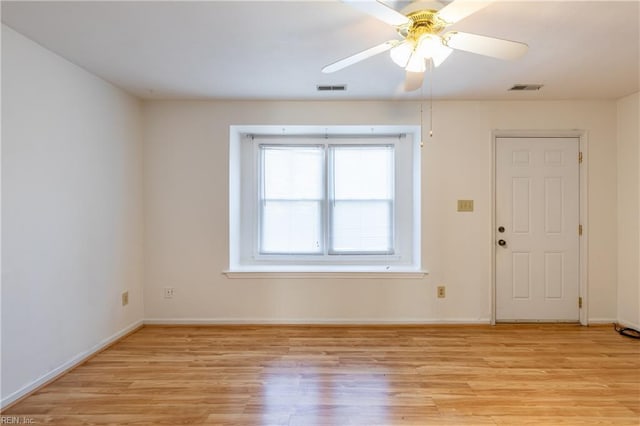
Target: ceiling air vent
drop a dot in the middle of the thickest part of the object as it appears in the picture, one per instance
(333, 88)
(517, 87)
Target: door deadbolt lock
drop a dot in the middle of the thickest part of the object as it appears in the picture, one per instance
(501, 229)
(502, 243)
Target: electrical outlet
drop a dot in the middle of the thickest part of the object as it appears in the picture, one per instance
(441, 292)
(169, 292)
(125, 298)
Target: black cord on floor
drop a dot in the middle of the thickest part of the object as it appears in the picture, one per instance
(626, 331)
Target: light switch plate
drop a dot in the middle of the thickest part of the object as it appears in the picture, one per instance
(465, 205)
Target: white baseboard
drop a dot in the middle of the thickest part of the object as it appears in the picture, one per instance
(73, 362)
(628, 324)
(595, 321)
(312, 321)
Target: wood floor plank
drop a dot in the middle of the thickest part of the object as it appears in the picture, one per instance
(510, 374)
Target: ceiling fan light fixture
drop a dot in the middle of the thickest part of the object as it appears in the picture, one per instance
(416, 63)
(401, 54)
(428, 45)
(441, 55)
(432, 46)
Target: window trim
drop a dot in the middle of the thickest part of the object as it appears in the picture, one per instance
(352, 265)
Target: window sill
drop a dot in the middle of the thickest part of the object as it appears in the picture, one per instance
(326, 274)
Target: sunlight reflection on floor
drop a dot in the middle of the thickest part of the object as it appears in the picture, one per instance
(317, 397)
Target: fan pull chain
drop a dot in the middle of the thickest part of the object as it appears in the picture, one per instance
(430, 98)
(421, 122)
(430, 82)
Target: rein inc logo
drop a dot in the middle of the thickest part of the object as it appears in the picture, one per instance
(16, 420)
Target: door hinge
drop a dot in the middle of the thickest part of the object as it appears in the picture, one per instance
(580, 302)
(580, 157)
(580, 230)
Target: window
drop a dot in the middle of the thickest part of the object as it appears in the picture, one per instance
(350, 211)
(361, 200)
(338, 200)
(291, 199)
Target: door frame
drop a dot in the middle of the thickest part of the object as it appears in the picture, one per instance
(583, 193)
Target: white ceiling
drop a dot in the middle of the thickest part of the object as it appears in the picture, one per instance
(275, 49)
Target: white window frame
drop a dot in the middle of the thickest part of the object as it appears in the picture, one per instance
(243, 200)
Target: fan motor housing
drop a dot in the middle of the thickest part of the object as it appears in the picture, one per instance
(421, 22)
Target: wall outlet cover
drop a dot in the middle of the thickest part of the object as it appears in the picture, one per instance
(465, 205)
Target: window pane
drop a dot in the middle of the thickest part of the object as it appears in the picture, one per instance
(291, 204)
(362, 227)
(363, 173)
(362, 183)
(291, 227)
(292, 172)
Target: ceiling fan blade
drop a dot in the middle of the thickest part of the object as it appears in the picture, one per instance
(361, 56)
(413, 81)
(379, 11)
(460, 9)
(483, 45)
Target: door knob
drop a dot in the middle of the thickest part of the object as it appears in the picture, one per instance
(502, 243)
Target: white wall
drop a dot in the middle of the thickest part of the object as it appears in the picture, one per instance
(71, 213)
(186, 212)
(629, 211)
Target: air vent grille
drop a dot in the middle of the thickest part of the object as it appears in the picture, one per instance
(518, 87)
(331, 88)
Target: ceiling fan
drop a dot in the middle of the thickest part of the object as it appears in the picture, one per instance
(422, 39)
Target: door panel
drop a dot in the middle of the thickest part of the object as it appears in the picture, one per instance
(553, 205)
(521, 276)
(521, 204)
(553, 275)
(537, 203)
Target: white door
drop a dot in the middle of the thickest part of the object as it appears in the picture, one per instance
(537, 218)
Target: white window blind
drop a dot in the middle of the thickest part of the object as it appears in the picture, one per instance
(291, 199)
(361, 199)
(351, 208)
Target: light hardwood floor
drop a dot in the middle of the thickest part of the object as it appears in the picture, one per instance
(345, 375)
